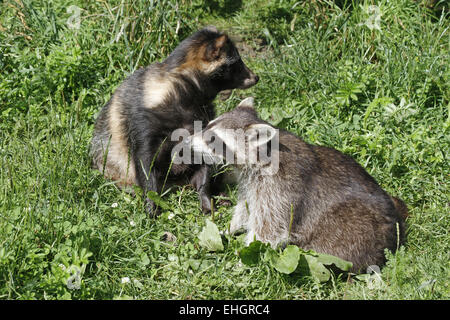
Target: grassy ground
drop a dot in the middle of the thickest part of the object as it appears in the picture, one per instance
(372, 82)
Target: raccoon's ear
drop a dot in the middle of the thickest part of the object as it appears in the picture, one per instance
(248, 104)
(213, 50)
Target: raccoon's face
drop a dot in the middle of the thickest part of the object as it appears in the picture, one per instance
(214, 55)
(237, 137)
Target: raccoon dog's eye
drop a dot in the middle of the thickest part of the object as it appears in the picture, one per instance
(237, 65)
(222, 69)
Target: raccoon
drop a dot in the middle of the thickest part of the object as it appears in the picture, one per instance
(336, 206)
(131, 141)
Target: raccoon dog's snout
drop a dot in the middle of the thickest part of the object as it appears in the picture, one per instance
(250, 79)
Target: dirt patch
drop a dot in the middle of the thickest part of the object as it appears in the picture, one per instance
(256, 49)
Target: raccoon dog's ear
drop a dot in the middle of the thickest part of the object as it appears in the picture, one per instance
(214, 48)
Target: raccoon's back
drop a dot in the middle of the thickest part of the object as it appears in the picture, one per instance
(338, 178)
(344, 173)
(326, 176)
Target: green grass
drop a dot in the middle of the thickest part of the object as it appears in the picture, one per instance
(378, 94)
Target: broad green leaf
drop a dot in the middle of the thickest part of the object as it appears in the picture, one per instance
(210, 238)
(251, 254)
(317, 269)
(287, 261)
(328, 259)
(270, 255)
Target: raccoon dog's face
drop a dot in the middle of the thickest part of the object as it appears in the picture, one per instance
(214, 55)
(230, 71)
(237, 137)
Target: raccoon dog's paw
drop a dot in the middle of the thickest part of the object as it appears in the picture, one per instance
(205, 203)
(152, 209)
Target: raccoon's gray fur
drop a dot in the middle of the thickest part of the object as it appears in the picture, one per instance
(338, 208)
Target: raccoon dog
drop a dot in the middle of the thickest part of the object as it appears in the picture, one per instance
(131, 142)
(337, 207)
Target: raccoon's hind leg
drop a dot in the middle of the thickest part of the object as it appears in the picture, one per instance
(354, 230)
(201, 180)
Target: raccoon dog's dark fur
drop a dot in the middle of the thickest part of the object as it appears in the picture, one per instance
(338, 208)
(131, 142)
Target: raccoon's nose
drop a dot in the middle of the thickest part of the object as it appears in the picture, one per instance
(256, 78)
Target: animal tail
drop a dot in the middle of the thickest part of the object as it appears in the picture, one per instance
(401, 207)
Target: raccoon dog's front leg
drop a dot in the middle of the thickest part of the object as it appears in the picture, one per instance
(201, 180)
(147, 178)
